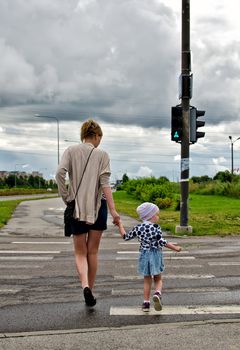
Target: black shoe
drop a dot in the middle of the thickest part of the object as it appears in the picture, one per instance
(89, 298)
(146, 306)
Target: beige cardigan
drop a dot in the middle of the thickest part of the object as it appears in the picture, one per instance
(96, 176)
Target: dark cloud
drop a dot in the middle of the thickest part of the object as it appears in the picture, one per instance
(115, 59)
(118, 62)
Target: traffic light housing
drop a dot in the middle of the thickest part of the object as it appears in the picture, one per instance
(176, 124)
(195, 124)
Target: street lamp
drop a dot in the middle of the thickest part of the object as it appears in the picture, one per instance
(15, 172)
(51, 117)
(232, 142)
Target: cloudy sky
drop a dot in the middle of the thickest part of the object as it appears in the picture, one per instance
(117, 61)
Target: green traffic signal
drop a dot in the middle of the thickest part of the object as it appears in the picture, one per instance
(176, 135)
(176, 124)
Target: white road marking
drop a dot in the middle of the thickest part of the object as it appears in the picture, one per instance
(129, 252)
(179, 257)
(30, 266)
(41, 242)
(26, 258)
(128, 243)
(165, 258)
(126, 258)
(166, 276)
(123, 292)
(136, 243)
(29, 252)
(15, 277)
(9, 291)
(227, 263)
(137, 252)
(177, 310)
(183, 266)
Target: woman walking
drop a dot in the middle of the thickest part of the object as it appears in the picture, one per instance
(88, 165)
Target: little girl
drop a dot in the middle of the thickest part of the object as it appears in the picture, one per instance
(151, 241)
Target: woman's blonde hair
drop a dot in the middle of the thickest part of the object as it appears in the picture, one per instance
(90, 128)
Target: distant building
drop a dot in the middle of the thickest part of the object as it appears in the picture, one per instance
(4, 174)
(36, 173)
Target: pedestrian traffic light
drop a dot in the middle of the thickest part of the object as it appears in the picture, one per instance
(176, 125)
(195, 124)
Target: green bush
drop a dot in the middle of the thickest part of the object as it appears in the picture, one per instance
(217, 187)
(164, 203)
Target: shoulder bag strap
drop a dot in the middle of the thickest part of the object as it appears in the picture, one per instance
(83, 172)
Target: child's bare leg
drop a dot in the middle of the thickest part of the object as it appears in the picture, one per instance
(158, 283)
(147, 284)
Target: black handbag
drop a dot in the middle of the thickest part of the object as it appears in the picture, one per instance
(68, 216)
(69, 211)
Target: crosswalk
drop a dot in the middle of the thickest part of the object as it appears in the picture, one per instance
(22, 264)
(201, 280)
(188, 275)
(177, 310)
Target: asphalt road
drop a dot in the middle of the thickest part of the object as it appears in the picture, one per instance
(40, 290)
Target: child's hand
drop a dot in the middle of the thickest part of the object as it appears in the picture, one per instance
(121, 228)
(178, 248)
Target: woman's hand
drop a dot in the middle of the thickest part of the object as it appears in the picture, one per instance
(115, 216)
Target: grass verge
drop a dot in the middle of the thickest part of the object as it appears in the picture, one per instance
(6, 210)
(208, 215)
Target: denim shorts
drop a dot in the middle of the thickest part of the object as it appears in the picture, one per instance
(80, 227)
(150, 262)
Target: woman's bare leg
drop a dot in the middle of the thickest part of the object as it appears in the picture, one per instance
(80, 248)
(93, 241)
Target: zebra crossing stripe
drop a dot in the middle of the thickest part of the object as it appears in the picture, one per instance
(165, 258)
(29, 252)
(137, 252)
(167, 276)
(9, 291)
(18, 258)
(227, 263)
(177, 310)
(34, 242)
(129, 292)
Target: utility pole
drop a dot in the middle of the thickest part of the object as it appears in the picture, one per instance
(184, 119)
(186, 94)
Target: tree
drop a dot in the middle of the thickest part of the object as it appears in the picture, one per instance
(10, 181)
(201, 179)
(223, 176)
(125, 178)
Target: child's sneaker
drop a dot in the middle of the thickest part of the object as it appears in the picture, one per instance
(157, 301)
(146, 306)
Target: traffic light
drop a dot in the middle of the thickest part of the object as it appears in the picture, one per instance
(195, 124)
(176, 126)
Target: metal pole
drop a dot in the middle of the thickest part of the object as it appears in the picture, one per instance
(232, 142)
(186, 68)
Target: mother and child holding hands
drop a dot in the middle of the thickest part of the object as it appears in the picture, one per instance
(88, 170)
